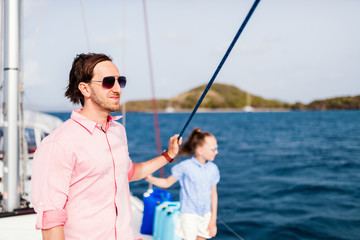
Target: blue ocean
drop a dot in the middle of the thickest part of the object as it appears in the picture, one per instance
(284, 175)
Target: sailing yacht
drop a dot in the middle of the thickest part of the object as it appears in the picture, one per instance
(248, 107)
(20, 131)
(20, 134)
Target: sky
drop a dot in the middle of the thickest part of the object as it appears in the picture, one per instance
(290, 50)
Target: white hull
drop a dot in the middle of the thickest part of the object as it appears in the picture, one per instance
(23, 227)
(37, 125)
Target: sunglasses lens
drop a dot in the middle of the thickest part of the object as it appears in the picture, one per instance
(122, 81)
(108, 82)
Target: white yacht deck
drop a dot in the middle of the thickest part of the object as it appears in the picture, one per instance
(23, 227)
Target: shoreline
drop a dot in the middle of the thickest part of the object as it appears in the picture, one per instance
(230, 110)
(218, 110)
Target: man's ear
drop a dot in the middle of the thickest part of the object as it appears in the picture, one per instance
(84, 89)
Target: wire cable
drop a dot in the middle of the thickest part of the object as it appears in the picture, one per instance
(34, 41)
(123, 57)
(155, 108)
(230, 229)
(85, 25)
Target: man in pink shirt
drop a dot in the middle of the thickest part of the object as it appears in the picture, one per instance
(81, 171)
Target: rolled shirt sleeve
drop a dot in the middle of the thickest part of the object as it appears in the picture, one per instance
(51, 176)
(53, 218)
(131, 170)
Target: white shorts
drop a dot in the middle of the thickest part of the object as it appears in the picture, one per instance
(192, 225)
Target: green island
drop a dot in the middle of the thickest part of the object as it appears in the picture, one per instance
(224, 97)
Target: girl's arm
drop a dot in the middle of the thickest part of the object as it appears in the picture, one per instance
(161, 182)
(214, 204)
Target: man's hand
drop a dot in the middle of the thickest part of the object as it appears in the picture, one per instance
(173, 148)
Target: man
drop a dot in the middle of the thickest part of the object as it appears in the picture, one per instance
(81, 171)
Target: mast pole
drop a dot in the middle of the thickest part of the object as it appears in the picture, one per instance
(11, 198)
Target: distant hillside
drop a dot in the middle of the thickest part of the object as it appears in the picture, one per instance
(223, 96)
(220, 96)
(337, 103)
(145, 105)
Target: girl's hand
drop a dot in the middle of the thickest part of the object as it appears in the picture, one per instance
(212, 228)
(149, 178)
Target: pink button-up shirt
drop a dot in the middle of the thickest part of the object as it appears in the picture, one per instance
(80, 179)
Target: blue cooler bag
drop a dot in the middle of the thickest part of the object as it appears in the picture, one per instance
(151, 199)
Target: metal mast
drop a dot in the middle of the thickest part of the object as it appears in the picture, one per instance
(11, 104)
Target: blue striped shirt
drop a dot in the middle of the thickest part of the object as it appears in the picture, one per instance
(196, 180)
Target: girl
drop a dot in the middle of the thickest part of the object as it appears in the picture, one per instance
(198, 177)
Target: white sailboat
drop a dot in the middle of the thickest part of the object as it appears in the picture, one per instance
(21, 131)
(20, 134)
(248, 107)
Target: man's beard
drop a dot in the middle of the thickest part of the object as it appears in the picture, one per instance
(103, 104)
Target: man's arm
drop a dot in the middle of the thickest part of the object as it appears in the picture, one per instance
(144, 169)
(55, 233)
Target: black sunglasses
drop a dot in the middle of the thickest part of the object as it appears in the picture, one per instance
(108, 82)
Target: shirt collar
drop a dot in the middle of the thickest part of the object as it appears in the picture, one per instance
(197, 163)
(87, 123)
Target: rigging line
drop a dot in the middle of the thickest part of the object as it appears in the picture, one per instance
(156, 117)
(34, 108)
(223, 223)
(34, 42)
(229, 228)
(85, 25)
(1, 43)
(123, 106)
(220, 65)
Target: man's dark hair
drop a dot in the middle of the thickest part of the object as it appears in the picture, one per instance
(82, 70)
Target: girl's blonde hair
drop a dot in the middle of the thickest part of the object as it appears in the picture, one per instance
(196, 138)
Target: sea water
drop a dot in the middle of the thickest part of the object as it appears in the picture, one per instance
(284, 175)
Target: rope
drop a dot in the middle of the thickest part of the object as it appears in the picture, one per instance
(34, 41)
(155, 111)
(1, 47)
(220, 65)
(85, 25)
(229, 228)
(123, 54)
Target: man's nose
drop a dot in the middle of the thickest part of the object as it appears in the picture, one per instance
(116, 87)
